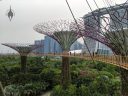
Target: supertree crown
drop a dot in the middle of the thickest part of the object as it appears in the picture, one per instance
(62, 31)
(23, 49)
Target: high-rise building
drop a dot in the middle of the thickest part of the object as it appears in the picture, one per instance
(49, 45)
(76, 46)
(39, 42)
(52, 46)
(93, 45)
(96, 47)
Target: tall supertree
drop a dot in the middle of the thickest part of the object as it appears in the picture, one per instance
(109, 25)
(62, 31)
(23, 50)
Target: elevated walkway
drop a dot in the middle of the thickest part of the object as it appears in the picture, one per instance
(116, 60)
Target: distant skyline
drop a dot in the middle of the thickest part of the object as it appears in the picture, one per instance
(31, 12)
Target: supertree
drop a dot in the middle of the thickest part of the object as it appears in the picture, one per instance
(113, 32)
(23, 50)
(62, 31)
(108, 25)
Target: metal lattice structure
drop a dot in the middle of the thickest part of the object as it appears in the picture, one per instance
(109, 25)
(23, 50)
(114, 32)
(62, 31)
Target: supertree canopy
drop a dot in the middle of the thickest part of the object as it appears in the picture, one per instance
(23, 50)
(63, 32)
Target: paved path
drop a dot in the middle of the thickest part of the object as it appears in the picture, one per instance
(46, 94)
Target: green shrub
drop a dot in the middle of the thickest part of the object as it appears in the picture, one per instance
(76, 60)
(25, 78)
(35, 61)
(112, 69)
(114, 87)
(11, 90)
(71, 90)
(51, 75)
(30, 89)
(85, 77)
(99, 65)
(83, 91)
(35, 70)
(60, 91)
(88, 78)
(101, 84)
(14, 70)
(4, 78)
(106, 74)
(34, 88)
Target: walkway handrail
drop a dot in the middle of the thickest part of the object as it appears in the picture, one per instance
(117, 60)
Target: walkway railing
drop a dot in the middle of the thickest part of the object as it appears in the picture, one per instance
(117, 60)
(120, 61)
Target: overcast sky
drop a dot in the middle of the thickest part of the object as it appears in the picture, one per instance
(31, 12)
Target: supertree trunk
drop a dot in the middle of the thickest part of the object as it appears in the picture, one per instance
(1, 90)
(124, 81)
(23, 64)
(65, 72)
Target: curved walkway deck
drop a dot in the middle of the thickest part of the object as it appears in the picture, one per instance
(111, 59)
(116, 60)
